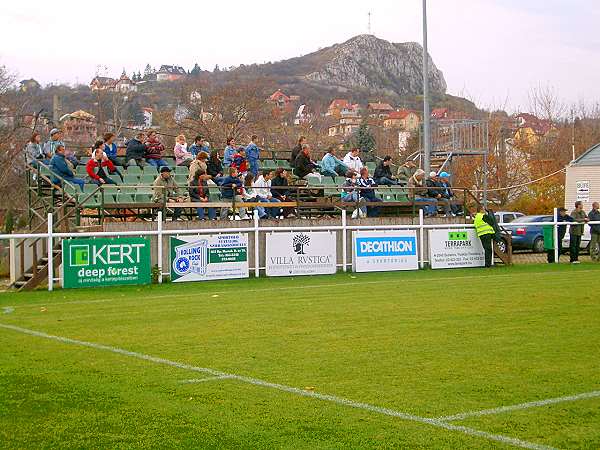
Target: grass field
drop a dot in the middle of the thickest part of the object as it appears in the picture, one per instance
(388, 360)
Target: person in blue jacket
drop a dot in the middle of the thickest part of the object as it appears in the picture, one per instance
(253, 155)
(198, 146)
(230, 150)
(59, 166)
(331, 166)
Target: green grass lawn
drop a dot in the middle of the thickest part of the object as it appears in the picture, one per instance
(427, 344)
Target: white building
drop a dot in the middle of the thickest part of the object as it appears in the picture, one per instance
(583, 179)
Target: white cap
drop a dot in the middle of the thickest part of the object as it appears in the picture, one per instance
(432, 174)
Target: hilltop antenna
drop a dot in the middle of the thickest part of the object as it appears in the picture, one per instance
(369, 26)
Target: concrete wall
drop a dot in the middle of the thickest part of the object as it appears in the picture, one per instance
(582, 173)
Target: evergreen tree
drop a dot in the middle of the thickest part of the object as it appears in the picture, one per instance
(196, 70)
(136, 113)
(147, 70)
(363, 138)
(217, 69)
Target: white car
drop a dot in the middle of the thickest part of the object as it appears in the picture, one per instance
(585, 239)
(507, 216)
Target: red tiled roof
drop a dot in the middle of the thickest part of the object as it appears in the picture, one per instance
(339, 103)
(380, 107)
(277, 95)
(439, 113)
(403, 114)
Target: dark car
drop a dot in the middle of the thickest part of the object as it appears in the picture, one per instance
(526, 236)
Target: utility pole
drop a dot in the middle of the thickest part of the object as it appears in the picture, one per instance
(56, 109)
(426, 108)
(573, 133)
(369, 22)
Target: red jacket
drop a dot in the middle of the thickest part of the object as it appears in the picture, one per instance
(240, 163)
(154, 148)
(92, 164)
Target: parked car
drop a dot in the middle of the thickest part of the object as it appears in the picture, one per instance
(507, 216)
(528, 237)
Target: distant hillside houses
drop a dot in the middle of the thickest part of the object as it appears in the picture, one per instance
(170, 73)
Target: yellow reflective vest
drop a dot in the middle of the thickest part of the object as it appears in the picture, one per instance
(481, 226)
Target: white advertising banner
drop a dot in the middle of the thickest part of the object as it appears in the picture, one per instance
(583, 191)
(300, 253)
(450, 249)
(382, 251)
(210, 257)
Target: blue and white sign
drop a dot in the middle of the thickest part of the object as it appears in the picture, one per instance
(384, 251)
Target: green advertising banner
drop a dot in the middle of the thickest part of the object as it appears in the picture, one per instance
(105, 262)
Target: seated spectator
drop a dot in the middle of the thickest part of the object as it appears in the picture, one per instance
(249, 195)
(331, 166)
(280, 189)
(253, 155)
(154, 150)
(98, 166)
(199, 163)
(418, 191)
(444, 182)
(297, 149)
(383, 173)
(182, 156)
(352, 160)
(54, 141)
(406, 171)
(198, 190)
(111, 148)
(262, 190)
(214, 167)
(60, 167)
(304, 166)
(198, 146)
(166, 190)
(368, 192)
(230, 150)
(231, 189)
(240, 162)
(135, 151)
(351, 194)
(434, 191)
(34, 152)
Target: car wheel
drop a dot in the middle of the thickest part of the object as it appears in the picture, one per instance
(502, 245)
(538, 245)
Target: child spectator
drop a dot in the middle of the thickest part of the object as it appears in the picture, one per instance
(182, 156)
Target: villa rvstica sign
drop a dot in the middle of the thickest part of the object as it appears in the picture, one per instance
(301, 253)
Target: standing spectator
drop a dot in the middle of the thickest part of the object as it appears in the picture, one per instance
(182, 156)
(214, 167)
(444, 182)
(198, 164)
(253, 155)
(136, 151)
(198, 190)
(367, 191)
(60, 167)
(97, 166)
(562, 230)
(262, 190)
(331, 166)
(166, 190)
(229, 152)
(352, 160)
(576, 231)
(351, 194)
(418, 191)
(34, 152)
(231, 189)
(198, 146)
(406, 171)
(594, 216)
(240, 162)
(280, 189)
(154, 151)
(297, 149)
(383, 173)
(434, 191)
(304, 166)
(110, 148)
(485, 231)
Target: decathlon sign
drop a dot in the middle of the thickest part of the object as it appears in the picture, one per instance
(105, 262)
(452, 248)
(381, 251)
(211, 257)
(301, 253)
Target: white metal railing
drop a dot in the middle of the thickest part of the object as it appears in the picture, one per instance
(256, 229)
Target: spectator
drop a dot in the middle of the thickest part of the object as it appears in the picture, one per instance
(351, 194)
(406, 171)
(576, 231)
(182, 156)
(154, 151)
(62, 169)
(367, 192)
(484, 227)
(231, 189)
(262, 190)
(594, 216)
(198, 146)
(229, 152)
(383, 173)
(352, 160)
(444, 183)
(253, 155)
(331, 166)
(297, 149)
(198, 190)
(34, 152)
(198, 164)
(111, 148)
(240, 162)
(54, 141)
(418, 190)
(136, 151)
(214, 167)
(97, 166)
(434, 191)
(304, 166)
(562, 230)
(166, 190)
(249, 195)
(280, 190)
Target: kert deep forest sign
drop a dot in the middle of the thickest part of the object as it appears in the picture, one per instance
(105, 262)
(212, 257)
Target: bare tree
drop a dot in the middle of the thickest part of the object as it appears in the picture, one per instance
(545, 103)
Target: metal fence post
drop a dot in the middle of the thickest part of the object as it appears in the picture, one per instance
(256, 244)
(159, 250)
(421, 240)
(50, 253)
(344, 241)
(557, 244)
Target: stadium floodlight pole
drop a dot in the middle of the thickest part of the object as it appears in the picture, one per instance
(426, 109)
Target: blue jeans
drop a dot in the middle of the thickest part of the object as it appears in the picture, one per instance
(78, 181)
(329, 173)
(108, 181)
(157, 162)
(253, 167)
(431, 209)
(212, 213)
(353, 197)
(373, 211)
(272, 212)
(384, 181)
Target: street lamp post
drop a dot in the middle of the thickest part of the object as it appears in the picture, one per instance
(426, 108)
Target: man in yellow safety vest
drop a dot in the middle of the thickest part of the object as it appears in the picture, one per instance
(485, 232)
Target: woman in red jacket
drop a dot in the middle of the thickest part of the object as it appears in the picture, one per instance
(99, 166)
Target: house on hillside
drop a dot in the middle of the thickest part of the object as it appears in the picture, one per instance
(404, 119)
(531, 130)
(79, 127)
(345, 127)
(582, 181)
(440, 113)
(379, 110)
(280, 100)
(125, 84)
(170, 73)
(29, 85)
(102, 84)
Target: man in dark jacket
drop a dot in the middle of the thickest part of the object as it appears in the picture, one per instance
(383, 173)
(231, 188)
(136, 151)
(434, 191)
(576, 231)
(562, 230)
(304, 165)
(594, 216)
(62, 171)
(297, 149)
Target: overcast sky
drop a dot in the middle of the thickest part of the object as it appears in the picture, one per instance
(492, 51)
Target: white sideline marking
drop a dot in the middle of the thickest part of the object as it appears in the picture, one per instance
(280, 387)
(202, 380)
(7, 309)
(535, 404)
